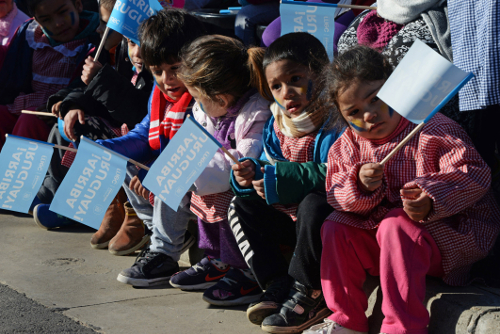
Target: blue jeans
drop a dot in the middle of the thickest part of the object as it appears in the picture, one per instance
(252, 15)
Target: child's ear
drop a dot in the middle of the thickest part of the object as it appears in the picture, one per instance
(79, 5)
(223, 100)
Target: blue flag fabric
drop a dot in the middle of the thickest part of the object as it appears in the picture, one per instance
(23, 165)
(94, 179)
(127, 15)
(180, 164)
(422, 83)
(318, 19)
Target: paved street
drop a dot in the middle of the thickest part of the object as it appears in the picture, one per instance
(64, 276)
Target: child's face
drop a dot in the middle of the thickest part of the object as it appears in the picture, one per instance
(59, 18)
(165, 77)
(134, 54)
(208, 106)
(291, 85)
(113, 38)
(5, 7)
(366, 114)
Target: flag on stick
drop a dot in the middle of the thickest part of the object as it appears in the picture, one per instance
(182, 162)
(90, 185)
(23, 165)
(420, 86)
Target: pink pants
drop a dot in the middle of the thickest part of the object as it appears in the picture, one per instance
(400, 251)
(28, 126)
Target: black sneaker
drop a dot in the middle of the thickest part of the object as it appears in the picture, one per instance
(298, 312)
(271, 300)
(149, 269)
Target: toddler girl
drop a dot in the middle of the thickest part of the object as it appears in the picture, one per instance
(218, 73)
(427, 211)
(293, 204)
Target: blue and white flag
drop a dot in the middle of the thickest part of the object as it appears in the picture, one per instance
(318, 19)
(91, 184)
(422, 84)
(180, 164)
(23, 165)
(127, 15)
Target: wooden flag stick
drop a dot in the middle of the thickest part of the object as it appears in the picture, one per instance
(356, 7)
(403, 142)
(138, 164)
(103, 40)
(38, 113)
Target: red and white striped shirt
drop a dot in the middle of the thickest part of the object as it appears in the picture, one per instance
(442, 161)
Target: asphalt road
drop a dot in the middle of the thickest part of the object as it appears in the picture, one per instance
(19, 314)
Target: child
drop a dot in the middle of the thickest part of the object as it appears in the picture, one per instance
(296, 144)
(218, 72)
(162, 37)
(43, 58)
(427, 211)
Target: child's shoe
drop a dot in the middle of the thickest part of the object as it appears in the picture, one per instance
(270, 301)
(234, 289)
(202, 275)
(330, 327)
(150, 268)
(111, 222)
(132, 234)
(48, 219)
(298, 312)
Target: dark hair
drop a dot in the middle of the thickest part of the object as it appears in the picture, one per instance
(163, 35)
(359, 63)
(108, 4)
(218, 64)
(300, 47)
(32, 4)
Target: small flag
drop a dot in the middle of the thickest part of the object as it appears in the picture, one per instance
(127, 15)
(422, 84)
(318, 19)
(180, 164)
(23, 165)
(92, 182)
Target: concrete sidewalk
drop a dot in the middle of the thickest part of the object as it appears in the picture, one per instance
(61, 271)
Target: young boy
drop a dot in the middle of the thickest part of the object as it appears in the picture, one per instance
(43, 57)
(114, 96)
(162, 37)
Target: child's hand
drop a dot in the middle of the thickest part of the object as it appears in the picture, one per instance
(90, 70)
(259, 186)
(416, 203)
(56, 109)
(70, 120)
(244, 175)
(370, 176)
(136, 186)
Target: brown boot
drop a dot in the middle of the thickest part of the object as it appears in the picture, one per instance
(131, 236)
(113, 220)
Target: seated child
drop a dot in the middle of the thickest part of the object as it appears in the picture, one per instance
(114, 96)
(292, 204)
(428, 211)
(43, 57)
(218, 71)
(162, 37)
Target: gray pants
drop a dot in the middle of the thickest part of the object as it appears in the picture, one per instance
(168, 226)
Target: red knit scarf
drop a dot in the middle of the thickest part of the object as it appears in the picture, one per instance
(169, 123)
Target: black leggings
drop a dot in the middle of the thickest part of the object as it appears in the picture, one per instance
(260, 228)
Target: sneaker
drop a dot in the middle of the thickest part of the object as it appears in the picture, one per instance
(330, 327)
(189, 241)
(233, 289)
(202, 275)
(150, 268)
(298, 312)
(49, 220)
(270, 301)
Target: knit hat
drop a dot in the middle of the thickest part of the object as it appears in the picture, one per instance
(376, 32)
(404, 11)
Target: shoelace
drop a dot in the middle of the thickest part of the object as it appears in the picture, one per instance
(325, 325)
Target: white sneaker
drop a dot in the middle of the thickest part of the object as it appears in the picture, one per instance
(330, 327)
